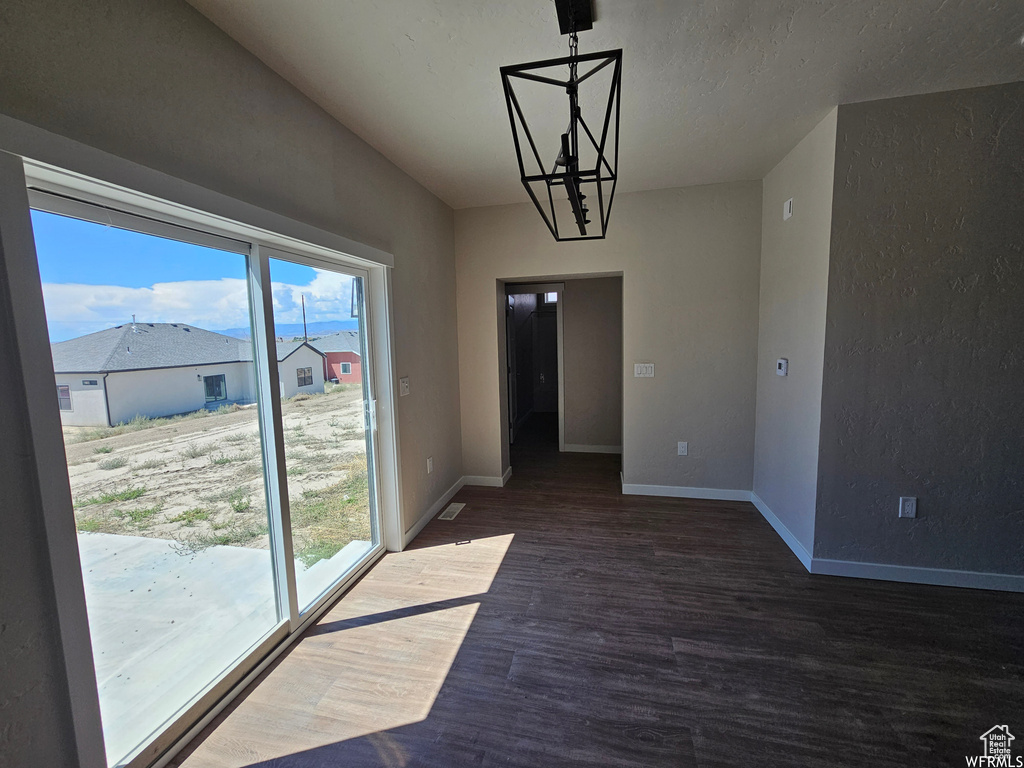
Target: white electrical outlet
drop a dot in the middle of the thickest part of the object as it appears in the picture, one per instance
(403, 386)
(643, 370)
(684, 449)
(430, 464)
(908, 506)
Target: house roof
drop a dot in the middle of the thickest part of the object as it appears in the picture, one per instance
(144, 346)
(342, 341)
(286, 349)
(139, 346)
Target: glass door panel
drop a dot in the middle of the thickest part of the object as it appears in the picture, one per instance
(326, 411)
(156, 389)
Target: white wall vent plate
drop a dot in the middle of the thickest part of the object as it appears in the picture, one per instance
(451, 511)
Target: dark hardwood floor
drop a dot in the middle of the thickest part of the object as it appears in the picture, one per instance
(556, 622)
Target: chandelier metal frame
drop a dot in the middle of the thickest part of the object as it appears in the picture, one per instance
(564, 171)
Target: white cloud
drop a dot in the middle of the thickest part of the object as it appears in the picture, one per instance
(74, 309)
(328, 297)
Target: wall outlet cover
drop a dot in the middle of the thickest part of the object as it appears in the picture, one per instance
(403, 386)
(643, 370)
(684, 449)
(908, 506)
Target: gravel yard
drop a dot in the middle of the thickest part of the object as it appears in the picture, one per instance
(197, 479)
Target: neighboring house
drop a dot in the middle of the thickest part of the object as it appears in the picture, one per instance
(162, 369)
(300, 367)
(343, 361)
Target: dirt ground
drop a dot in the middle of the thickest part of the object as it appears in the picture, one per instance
(197, 479)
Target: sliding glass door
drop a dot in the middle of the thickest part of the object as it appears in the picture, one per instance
(216, 505)
(326, 411)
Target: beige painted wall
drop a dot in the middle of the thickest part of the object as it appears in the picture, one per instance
(592, 364)
(160, 85)
(689, 264)
(794, 292)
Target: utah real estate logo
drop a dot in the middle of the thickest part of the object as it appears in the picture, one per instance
(997, 754)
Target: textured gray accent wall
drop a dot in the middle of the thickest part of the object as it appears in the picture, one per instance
(923, 390)
(35, 708)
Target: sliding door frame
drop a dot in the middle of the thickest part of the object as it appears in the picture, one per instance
(261, 261)
(59, 166)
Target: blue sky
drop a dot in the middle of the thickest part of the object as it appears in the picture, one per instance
(95, 277)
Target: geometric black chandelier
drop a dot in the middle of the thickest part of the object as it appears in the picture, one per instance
(571, 175)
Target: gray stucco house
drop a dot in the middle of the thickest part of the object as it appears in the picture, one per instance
(162, 369)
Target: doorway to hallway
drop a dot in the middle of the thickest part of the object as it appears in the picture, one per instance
(563, 368)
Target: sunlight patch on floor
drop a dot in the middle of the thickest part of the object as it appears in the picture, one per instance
(378, 661)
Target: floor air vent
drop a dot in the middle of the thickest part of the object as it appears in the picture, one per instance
(451, 511)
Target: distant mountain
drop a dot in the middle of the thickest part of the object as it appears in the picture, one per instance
(294, 330)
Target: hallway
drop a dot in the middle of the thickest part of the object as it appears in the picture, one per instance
(537, 463)
(556, 622)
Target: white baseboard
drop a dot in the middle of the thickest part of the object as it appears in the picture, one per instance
(681, 492)
(577, 448)
(489, 481)
(941, 577)
(436, 507)
(780, 528)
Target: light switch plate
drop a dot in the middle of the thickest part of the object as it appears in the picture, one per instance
(430, 464)
(787, 210)
(403, 386)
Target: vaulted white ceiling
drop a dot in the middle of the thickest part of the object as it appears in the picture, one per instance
(713, 90)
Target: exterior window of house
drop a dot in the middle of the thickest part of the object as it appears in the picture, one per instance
(305, 377)
(216, 388)
(346, 367)
(64, 396)
(89, 382)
